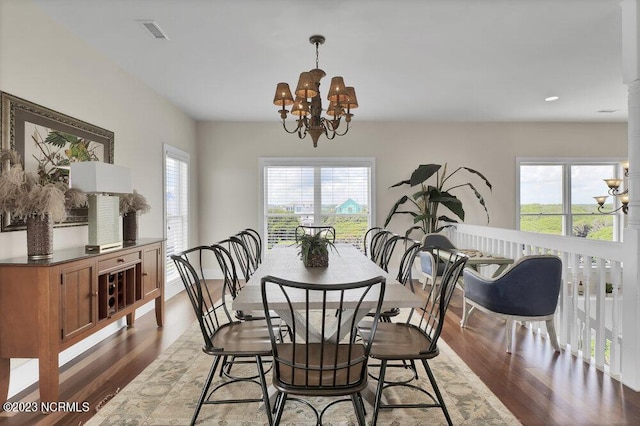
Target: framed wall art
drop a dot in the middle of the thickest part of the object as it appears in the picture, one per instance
(48, 141)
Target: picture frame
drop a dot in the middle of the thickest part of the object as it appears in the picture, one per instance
(25, 127)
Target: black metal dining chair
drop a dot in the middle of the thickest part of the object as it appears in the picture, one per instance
(222, 336)
(328, 232)
(416, 339)
(404, 276)
(323, 357)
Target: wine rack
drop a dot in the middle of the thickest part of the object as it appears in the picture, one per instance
(117, 290)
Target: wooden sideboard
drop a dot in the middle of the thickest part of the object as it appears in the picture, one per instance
(48, 305)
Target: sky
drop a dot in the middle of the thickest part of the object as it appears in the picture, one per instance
(543, 184)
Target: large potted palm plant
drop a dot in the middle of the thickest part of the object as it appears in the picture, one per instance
(424, 206)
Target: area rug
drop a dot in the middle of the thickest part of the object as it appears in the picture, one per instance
(166, 392)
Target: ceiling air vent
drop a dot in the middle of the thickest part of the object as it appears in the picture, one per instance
(607, 111)
(153, 29)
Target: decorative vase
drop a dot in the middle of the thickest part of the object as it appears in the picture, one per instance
(39, 237)
(130, 227)
(317, 260)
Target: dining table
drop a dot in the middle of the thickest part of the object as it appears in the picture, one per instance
(347, 264)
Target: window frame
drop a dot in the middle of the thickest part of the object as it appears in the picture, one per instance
(566, 163)
(265, 162)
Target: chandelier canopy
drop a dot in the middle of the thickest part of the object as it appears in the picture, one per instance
(307, 104)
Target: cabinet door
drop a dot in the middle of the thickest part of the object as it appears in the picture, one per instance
(78, 299)
(151, 273)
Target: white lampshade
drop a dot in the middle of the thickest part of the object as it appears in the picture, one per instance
(103, 181)
(99, 177)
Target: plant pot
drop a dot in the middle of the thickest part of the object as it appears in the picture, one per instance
(317, 260)
(130, 227)
(39, 237)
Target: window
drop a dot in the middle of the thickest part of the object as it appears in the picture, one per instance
(556, 197)
(176, 189)
(317, 191)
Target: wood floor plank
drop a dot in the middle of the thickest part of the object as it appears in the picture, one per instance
(538, 385)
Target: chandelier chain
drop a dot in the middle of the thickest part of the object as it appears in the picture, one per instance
(317, 44)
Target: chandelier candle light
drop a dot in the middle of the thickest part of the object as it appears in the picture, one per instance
(614, 190)
(307, 104)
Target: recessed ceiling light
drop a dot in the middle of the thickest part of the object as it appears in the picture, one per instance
(551, 98)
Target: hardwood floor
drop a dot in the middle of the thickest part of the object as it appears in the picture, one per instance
(538, 385)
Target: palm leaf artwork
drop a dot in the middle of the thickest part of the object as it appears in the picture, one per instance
(423, 205)
(59, 149)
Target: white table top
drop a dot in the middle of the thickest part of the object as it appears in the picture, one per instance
(347, 265)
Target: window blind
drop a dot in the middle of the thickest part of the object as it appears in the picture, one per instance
(177, 202)
(330, 192)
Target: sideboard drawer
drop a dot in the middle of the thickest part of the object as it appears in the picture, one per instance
(120, 260)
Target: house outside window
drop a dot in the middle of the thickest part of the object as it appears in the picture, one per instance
(555, 196)
(317, 191)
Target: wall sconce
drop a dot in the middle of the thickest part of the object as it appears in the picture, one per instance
(614, 185)
(101, 181)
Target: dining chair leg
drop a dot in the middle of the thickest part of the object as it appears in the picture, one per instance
(205, 388)
(283, 399)
(432, 379)
(376, 405)
(358, 409)
(265, 392)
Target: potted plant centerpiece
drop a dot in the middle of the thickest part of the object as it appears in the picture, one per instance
(314, 249)
(131, 205)
(39, 201)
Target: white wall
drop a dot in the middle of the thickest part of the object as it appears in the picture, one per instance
(43, 63)
(229, 155)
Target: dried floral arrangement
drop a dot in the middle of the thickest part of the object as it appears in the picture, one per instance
(25, 194)
(134, 203)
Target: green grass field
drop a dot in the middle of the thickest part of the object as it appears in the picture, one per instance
(587, 222)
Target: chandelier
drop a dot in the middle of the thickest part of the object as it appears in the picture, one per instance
(307, 105)
(614, 190)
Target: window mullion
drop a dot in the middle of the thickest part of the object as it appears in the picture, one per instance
(317, 196)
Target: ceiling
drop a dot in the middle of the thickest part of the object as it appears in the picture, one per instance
(409, 60)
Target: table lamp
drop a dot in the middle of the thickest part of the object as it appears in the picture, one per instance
(102, 182)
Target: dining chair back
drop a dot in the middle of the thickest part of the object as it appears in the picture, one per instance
(232, 282)
(404, 276)
(378, 242)
(368, 236)
(328, 232)
(323, 358)
(416, 339)
(253, 241)
(241, 256)
(222, 337)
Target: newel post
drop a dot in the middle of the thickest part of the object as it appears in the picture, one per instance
(630, 10)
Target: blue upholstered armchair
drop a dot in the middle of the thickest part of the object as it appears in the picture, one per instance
(528, 291)
(430, 266)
